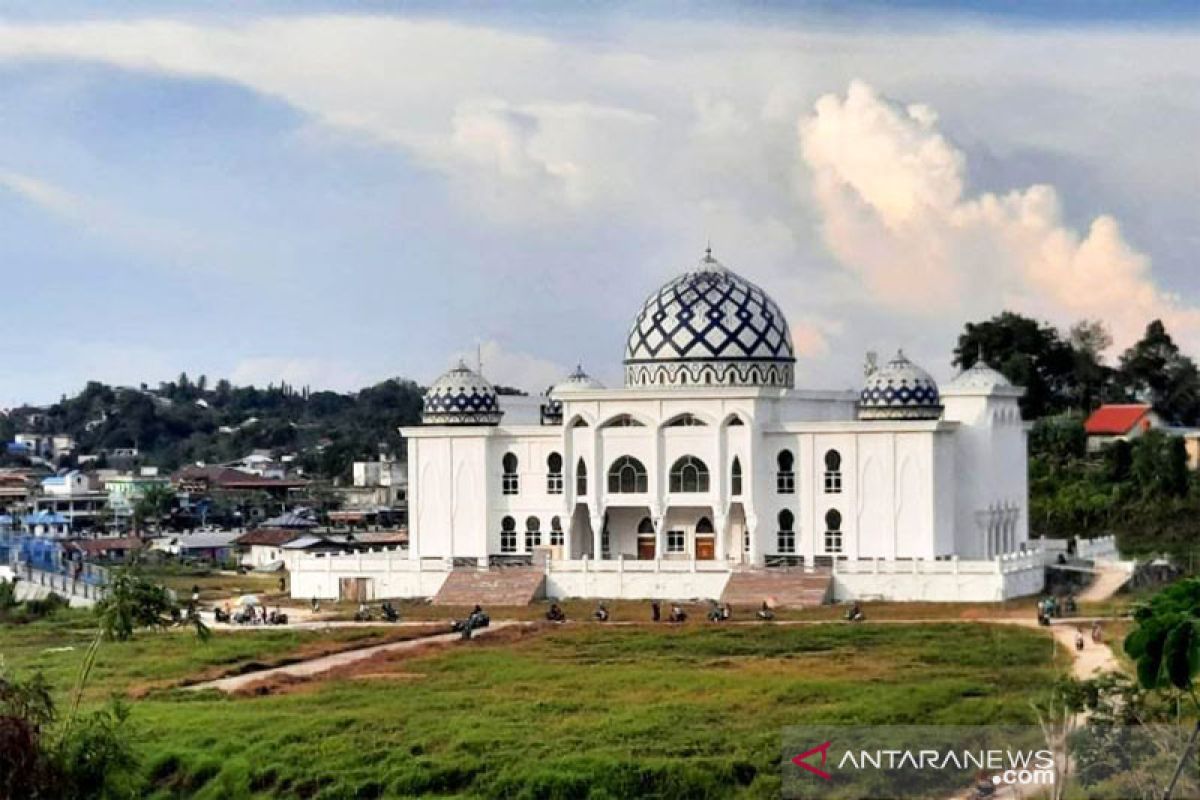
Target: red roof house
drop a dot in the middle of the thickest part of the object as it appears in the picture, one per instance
(1121, 419)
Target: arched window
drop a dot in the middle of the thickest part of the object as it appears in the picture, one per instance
(735, 477)
(554, 476)
(785, 478)
(735, 421)
(556, 531)
(686, 421)
(533, 533)
(581, 478)
(627, 475)
(510, 483)
(689, 474)
(833, 472)
(622, 421)
(704, 525)
(833, 531)
(508, 535)
(786, 535)
(645, 526)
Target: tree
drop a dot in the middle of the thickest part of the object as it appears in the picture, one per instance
(1155, 371)
(133, 601)
(1165, 645)
(1029, 353)
(1089, 339)
(154, 504)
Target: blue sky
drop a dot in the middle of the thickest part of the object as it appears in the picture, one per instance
(331, 198)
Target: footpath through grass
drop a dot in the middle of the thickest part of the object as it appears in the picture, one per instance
(582, 711)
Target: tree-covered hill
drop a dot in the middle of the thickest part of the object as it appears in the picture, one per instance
(186, 421)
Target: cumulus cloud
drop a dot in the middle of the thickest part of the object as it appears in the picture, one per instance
(894, 211)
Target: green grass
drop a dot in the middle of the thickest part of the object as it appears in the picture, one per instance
(577, 711)
(56, 646)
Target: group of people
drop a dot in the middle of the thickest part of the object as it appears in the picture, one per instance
(717, 612)
(386, 610)
(478, 618)
(250, 615)
(1049, 607)
(1097, 634)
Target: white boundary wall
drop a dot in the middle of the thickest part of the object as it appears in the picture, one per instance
(1102, 548)
(391, 574)
(949, 581)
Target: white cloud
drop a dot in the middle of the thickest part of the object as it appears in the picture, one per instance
(890, 188)
(673, 133)
(299, 371)
(46, 195)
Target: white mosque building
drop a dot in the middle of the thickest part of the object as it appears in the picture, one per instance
(709, 473)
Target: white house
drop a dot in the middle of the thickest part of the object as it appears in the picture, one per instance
(709, 463)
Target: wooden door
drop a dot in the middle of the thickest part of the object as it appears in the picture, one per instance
(645, 548)
(356, 590)
(706, 548)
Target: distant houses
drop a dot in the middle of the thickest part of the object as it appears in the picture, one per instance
(1114, 422)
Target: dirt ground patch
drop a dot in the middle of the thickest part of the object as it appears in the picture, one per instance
(388, 665)
(318, 648)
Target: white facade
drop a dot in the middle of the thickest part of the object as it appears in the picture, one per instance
(903, 489)
(709, 460)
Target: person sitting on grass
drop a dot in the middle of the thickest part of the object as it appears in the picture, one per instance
(855, 614)
(601, 613)
(726, 612)
(655, 611)
(765, 613)
(678, 615)
(714, 611)
(555, 614)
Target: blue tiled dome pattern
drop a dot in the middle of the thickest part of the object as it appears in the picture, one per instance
(461, 397)
(709, 327)
(899, 390)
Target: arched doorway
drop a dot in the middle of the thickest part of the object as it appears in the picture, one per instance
(645, 540)
(706, 540)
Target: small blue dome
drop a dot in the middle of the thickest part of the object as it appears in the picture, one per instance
(461, 397)
(899, 390)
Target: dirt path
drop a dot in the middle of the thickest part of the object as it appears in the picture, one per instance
(316, 666)
(1108, 580)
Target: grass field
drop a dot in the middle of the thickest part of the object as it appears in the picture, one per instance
(559, 712)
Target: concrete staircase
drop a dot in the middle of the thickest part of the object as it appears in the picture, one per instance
(503, 586)
(782, 586)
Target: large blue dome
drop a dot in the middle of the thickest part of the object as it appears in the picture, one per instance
(710, 327)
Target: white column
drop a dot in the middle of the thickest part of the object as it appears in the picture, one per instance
(414, 489)
(721, 526)
(756, 551)
(597, 521)
(659, 519)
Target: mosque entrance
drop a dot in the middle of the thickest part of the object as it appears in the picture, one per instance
(706, 547)
(645, 547)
